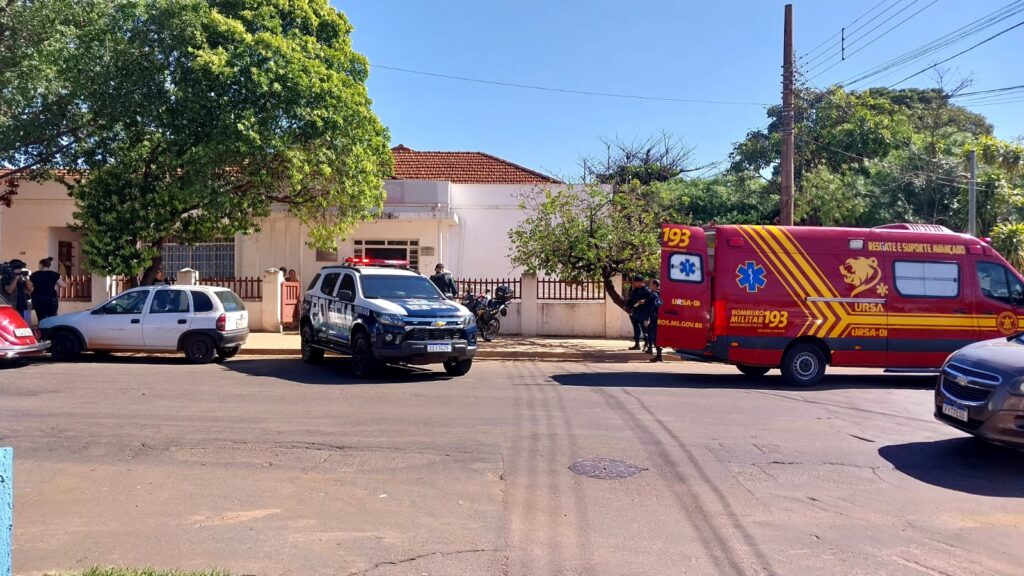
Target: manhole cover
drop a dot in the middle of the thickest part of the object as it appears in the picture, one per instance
(605, 468)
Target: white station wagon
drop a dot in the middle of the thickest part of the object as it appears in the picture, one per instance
(204, 322)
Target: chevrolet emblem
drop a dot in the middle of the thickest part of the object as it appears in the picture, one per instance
(439, 324)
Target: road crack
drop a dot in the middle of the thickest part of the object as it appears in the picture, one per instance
(379, 565)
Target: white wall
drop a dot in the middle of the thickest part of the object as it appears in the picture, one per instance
(30, 228)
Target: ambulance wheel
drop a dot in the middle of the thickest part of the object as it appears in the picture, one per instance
(310, 353)
(364, 365)
(753, 371)
(804, 365)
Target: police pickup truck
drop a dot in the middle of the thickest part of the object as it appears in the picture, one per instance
(379, 313)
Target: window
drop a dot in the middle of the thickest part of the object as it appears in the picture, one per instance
(169, 302)
(212, 259)
(128, 303)
(408, 250)
(685, 268)
(329, 283)
(202, 301)
(230, 302)
(998, 283)
(398, 287)
(348, 283)
(931, 279)
(312, 284)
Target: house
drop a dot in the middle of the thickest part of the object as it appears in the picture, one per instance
(450, 207)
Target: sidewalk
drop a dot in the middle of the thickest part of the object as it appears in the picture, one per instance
(502, 348)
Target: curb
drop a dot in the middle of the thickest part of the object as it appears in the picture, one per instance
(508, 355)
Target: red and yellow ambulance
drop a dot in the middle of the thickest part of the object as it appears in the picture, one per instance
(901, 296)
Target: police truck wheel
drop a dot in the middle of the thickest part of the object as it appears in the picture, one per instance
(65, 346)
(200, 349)
(804, 365)
(753, 371)
(310, 353)
(458, 367)
(364, 364)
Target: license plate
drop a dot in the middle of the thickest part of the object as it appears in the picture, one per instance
(22, 332)
(446, 347)
(955, 411)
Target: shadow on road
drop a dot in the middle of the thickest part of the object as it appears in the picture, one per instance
(738, 381)
(966, 465)
(333, 372)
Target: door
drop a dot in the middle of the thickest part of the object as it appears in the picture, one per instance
(1000, 300)
(684, 322)
(341, 312)
(168, 317)
(118, 323)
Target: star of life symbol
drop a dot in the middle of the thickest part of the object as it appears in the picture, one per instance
(685, 268)
(750, 276)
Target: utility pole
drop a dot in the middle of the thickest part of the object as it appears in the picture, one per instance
(786, 196)
(972, 195)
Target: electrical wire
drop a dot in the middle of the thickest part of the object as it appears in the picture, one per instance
(852, 37)
(958, 54)
(812, 50)
(907, 58)
(566, 90)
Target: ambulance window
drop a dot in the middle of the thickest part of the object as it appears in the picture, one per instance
(927, 279)
(685, 268)
(330, 281)
(998, 283)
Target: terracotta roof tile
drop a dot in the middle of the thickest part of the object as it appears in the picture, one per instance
(462, 168)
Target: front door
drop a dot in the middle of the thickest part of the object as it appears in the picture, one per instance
(168, 317)
(1000, 300)
(118, 323)
(684, 322)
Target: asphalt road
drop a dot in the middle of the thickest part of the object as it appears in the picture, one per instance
(271, 467)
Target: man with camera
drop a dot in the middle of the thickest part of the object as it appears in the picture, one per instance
(17, 289)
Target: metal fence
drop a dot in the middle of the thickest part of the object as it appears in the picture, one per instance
(247, 288)
(553, 289)
(76, 288)
(481, 285)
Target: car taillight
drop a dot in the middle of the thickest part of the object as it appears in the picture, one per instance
(222, 322)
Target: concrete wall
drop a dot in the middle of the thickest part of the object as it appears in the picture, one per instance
(39, 217)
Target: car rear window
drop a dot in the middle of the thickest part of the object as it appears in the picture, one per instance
(231, 302)
(329, 283)
(202, 301)
(313, 283)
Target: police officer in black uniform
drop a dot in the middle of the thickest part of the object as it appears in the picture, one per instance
(637, 309)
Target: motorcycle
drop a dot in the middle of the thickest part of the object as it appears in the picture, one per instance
(488, 310)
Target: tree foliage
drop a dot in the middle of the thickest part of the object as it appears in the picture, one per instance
(193, 118)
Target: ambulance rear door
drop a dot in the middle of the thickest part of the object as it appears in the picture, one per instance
(685, 319)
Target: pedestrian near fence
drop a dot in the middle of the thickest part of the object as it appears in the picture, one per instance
(637, 310)
(45, 283)
(653, 307)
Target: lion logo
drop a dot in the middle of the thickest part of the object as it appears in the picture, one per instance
(861, 272)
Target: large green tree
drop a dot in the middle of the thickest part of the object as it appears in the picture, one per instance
(193, 118)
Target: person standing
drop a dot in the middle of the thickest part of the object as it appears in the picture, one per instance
(45, 283)
(653, 307)
(636, 308)
(444, 281)
(160, 279)
(19, 290)
(292, 276)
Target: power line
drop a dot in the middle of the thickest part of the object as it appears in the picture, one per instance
(994, 92)
(948, 39)
(566, 90)
(870, 10)
(880, 36)
(852, 36)
(958, 54)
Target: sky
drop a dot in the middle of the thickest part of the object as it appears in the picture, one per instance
(727, 51)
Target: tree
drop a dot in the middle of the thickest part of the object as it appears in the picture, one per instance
(197, 116)
(653, 159)
(589, 232)
(1008, 239)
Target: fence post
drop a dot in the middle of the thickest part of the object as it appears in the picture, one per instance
(616, 321)
(6, 508)
(187, 277)
(100, 288)
(529, 311)
(272, 293)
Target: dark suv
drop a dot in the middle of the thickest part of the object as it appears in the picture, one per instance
(981, 390)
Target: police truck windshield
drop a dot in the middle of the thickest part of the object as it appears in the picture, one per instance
(397, 287)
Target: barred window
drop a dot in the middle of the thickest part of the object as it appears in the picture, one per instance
(214, 259)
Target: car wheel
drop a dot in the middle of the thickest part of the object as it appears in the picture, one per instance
(200, 349)
(804, 365)
(458, 367)
(65, 346)
(310, 353)
(490, 329)
(753, 371)
(227, 352)
(364, 364)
